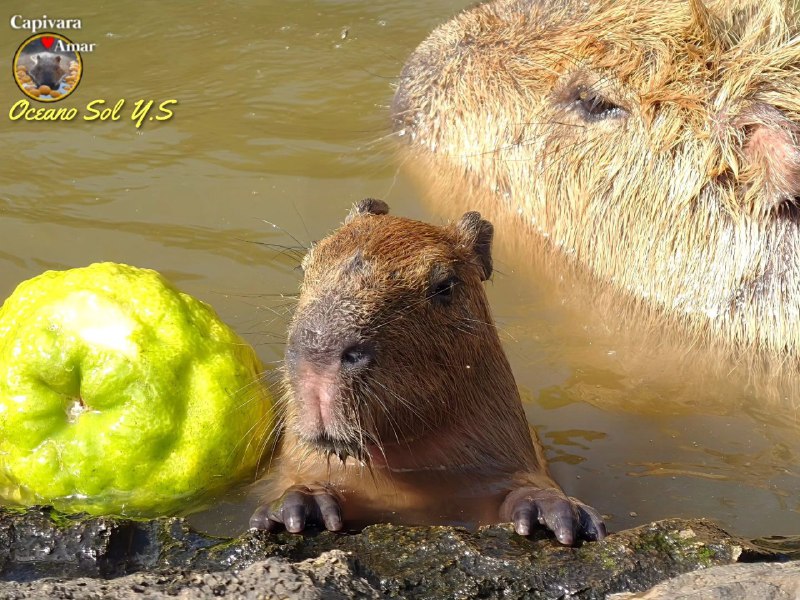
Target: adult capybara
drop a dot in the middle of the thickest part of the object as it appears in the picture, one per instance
(47, 68)
(655, 141)
(401, 405)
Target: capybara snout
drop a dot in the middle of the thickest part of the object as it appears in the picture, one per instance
(657, 142)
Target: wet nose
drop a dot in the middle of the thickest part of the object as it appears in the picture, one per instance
(356, 356)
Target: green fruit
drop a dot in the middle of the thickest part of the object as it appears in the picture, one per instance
(120, 394)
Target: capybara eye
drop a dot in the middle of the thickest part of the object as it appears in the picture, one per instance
(593, 106)
(442, 292)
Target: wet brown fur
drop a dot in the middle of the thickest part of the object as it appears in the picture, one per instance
(686, 197)
(439, 406)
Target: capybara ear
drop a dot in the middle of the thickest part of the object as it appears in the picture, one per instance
(772, 152)
(367, 206)
(478, 233)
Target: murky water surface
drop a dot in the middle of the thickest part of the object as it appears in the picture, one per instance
(282, 118)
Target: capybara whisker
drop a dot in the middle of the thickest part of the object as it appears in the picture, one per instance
(281, 229)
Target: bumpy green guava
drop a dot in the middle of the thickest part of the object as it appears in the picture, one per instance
(120, 394)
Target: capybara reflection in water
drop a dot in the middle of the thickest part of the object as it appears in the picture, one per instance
(401, 405)
(655, 141)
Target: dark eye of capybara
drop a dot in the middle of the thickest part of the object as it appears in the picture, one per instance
(442, 292)
(593, 106)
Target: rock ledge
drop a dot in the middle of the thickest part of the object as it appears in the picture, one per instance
(44, 554)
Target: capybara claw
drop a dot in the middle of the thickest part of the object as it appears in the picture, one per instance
(591, 526)
(299, 506)
(260, 519)
(568, 518)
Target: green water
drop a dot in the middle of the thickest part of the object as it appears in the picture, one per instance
(282, 118)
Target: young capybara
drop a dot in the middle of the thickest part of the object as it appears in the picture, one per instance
(401, 406)
(657, 142)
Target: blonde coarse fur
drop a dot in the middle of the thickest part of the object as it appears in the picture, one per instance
(655, 142)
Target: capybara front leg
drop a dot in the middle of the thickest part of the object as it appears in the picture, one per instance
(300, 506)
(568, 518)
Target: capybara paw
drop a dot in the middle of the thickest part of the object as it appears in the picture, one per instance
(299, 506)
(568, 518)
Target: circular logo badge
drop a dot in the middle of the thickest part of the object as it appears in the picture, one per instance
(45, 68)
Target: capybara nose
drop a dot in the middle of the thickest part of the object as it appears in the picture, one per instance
(357, 356)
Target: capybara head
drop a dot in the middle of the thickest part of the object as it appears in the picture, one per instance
(47, 69)
(656, 141)
(392, 331)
